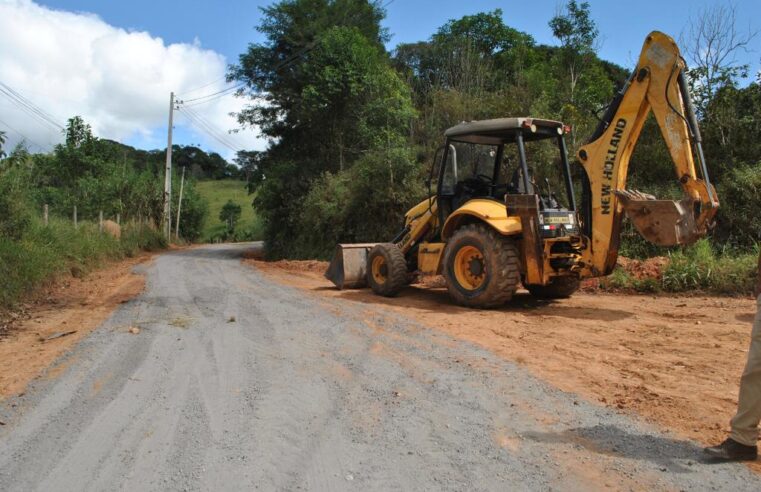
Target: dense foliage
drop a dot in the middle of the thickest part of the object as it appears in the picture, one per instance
(353, 128)
(94, 176)
(333, 100)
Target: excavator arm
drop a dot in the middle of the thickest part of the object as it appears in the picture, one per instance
(657, 85)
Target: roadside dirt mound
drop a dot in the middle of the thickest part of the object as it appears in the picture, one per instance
(298, 266)
(675, 360)
(651, 268)
(642, 269)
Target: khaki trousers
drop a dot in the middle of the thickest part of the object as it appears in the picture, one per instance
(745, 422)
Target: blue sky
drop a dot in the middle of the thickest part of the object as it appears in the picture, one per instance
(227, 26)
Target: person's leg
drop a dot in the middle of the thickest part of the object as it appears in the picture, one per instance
(745, 422)
(742, 442)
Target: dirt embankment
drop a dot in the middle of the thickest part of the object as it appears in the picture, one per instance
(58, 316)
(676, 360)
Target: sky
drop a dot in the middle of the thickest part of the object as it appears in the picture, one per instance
(115, 62)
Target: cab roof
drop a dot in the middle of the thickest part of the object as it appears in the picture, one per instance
(503, 130)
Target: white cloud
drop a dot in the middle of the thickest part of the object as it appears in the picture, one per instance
(118, 80)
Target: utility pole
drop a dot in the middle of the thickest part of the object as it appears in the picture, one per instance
(179, 206)
(168, 174)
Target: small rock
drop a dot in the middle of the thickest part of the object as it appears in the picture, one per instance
(231, 320)
(134, 330)
(349, 478)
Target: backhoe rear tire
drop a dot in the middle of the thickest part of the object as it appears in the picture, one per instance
(482, 267)
(559, 288)
(386, 269)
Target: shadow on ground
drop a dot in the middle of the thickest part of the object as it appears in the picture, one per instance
(438, 300)
(669, 454)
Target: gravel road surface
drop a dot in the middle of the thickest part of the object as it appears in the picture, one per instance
(237, 383)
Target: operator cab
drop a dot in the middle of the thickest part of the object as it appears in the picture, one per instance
(492, 159)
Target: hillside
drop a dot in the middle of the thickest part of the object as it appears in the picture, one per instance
(216, 193)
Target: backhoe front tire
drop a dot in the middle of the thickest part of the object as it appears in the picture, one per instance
(386, 269)
(482, 267)
(559, 288)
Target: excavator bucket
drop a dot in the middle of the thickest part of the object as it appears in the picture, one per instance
(348, 268)
(662, 222)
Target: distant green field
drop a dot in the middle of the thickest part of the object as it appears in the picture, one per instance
(217, 193)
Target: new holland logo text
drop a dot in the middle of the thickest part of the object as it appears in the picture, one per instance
(610, 162)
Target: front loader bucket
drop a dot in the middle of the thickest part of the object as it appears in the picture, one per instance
(662, 222)
(348, 268)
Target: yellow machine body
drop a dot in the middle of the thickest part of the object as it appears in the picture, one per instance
(657, 86)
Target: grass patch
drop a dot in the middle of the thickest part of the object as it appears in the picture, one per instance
(695, 268)
(699, 267)
(621, 279)
(46, 251)
(216, 193)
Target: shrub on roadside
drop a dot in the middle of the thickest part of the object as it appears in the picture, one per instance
(46, 251)
(695, 268)
(365, 203)
(698, 267)
(738, 221)
(14, 208)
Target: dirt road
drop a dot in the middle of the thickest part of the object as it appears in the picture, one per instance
(237, 382)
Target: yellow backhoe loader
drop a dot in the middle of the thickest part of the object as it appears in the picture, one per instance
(502, 208)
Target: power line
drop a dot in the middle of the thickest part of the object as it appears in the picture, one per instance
(28, 106)
(25, 138)
(207, 128)
(213, 82)
(215, 133)
(222, 92)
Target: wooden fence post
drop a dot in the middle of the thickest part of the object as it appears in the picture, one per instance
(119, 219)
(100, 221)
(45, 214)
(75, 218)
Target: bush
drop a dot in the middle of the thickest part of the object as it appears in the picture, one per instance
(738, 220)
(46, 251)
(14, 207)
(193, 213)
(698, 267)
(365, 203)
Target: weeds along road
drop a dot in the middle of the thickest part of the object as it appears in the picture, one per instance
(236, 383)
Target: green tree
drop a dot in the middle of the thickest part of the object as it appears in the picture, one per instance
(292, 29)
(230, 214)
(2, 143)
(577, 33)
(331, 98)
(582, 80)
(78, 133)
